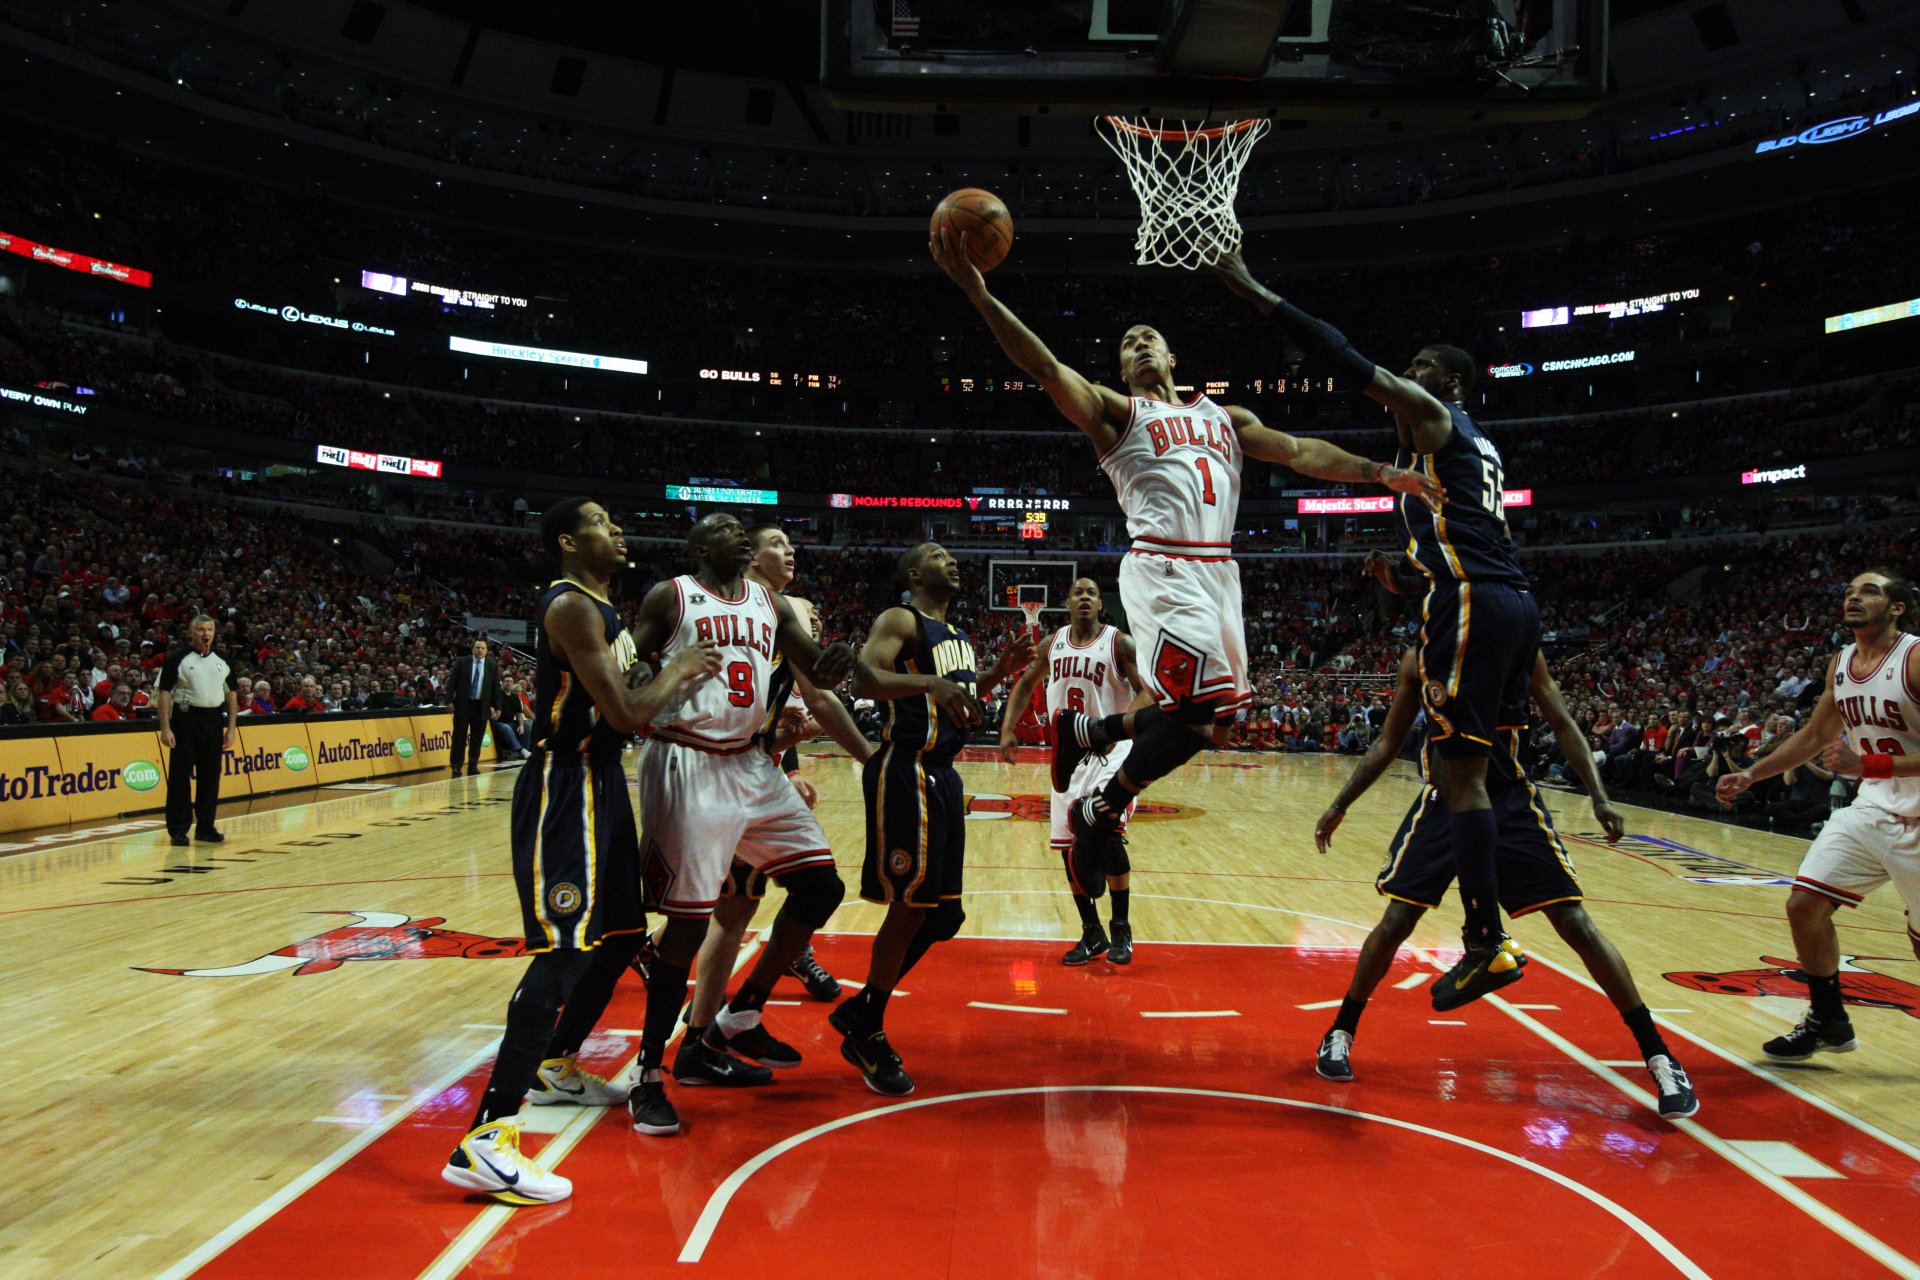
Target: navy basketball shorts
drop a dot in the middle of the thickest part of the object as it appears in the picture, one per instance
(1477, 646)
(1532, 864)
(916, 829)
(576, 854)
(744, 881)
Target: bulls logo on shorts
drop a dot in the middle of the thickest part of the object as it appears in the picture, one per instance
(563, 899)
(899, 862)
(1436, 694)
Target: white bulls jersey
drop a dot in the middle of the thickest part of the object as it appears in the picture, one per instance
(1176, 469)
(1882, 713)
(1086, 677)
(724, 713)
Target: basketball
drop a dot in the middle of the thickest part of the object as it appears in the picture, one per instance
(983, 219)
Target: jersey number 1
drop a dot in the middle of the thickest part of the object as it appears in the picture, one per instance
(1206, 481)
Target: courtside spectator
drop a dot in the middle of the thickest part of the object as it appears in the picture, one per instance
(118, 706)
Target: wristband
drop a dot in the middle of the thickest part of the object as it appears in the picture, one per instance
(1877, 765)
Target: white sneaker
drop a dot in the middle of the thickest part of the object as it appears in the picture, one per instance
(488, 1160)
(562, 1081)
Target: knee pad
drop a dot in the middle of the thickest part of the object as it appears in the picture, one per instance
(813, 893)
(1114, 849)
(944, 921)
(1199, 715)
(1086, 862)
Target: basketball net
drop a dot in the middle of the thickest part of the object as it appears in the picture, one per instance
(1187, 178)
(1032, 609)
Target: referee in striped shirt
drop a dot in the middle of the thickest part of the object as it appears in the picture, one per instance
(197, 691)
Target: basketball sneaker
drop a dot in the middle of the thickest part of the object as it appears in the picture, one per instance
(647, 1103)
(1335, 1060)
(1122, 952)
(865, 1046)
(1072, 743)
(488, 1160)
(562, 1081)
(1480, 971)
(1092, 945)
(696, 1062)
(820, 984)
(1677, 1100)
(1813, 1035)
(745, 1036)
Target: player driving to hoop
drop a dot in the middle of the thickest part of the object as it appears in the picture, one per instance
(1176, 468)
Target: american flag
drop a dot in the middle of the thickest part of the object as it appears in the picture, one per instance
(904, 23)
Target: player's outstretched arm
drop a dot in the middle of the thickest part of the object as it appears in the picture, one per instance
(1017, 699)
(824, 668)
(873, 676)
(836, 720)
(1422, 421)
(1393, 736)
(1808, 741)
(1096, 410)
(1325, 461)
(1017, 656)
(1573, 745)
(576, 633)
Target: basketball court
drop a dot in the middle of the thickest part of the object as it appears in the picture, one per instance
(255, 1062)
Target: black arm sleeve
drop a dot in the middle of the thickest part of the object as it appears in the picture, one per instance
(1322, 342)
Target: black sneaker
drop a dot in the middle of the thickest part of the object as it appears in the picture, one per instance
(652, 1113)
(1335, 1061)
(642, 962)
(1481, 971)
(1812, 1036)
(1092, 945)
(820, 984)
(1677, 1100)
(755, 1044)
(849, 1017)
(879, 1064)
(178, 842)
(1122, 952)
(698, 1062)
(1067, 751)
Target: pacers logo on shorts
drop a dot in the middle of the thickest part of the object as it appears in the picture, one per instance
(563, 899)
(1436, 694)
(899, 862)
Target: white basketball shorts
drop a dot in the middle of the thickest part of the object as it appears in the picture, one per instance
(699, 811)
(1861, 848)
(1187, 631)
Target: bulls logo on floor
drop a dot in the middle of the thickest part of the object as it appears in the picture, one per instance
(375, 935)
(1031, 808)
(1858, 984)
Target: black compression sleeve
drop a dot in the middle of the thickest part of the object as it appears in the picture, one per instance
(1322, 341)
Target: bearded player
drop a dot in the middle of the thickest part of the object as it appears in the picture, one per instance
(1477, 592)
(576, 857)
(1176, 468)
(1089, 668)
(1867, 726)
(772, 567)
(1535, 874)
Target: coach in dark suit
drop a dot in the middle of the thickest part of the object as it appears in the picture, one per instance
(476, 702)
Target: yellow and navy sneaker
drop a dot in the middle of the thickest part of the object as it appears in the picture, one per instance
(1481, 970)
(562, 1081)
(488, 1160)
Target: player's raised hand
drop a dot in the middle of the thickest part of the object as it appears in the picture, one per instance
(1731, 785)
(1015, 658)
(1610, 821)
(1232, 270)
(1329, 823)
(961, 706)
(834, 664)
(1841, 759)
(695, 664)
(1422, 486)
(950, 251)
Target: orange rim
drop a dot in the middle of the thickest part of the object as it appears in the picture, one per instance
(1180, 135)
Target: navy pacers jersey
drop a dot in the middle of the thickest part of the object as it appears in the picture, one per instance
(1467, 539)
(565, 721)
(918, 724)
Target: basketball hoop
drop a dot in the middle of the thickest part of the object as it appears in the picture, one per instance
(1187, 178)
(1032, 609)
